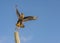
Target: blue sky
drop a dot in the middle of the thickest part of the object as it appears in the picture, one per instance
(46, 29)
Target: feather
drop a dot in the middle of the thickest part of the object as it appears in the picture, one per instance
(29, 18)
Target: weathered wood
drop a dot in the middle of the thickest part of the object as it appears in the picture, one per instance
(17, 39)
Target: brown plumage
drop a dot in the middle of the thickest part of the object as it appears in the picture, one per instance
(22, 19)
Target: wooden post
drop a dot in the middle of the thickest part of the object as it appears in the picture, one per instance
(17, 39)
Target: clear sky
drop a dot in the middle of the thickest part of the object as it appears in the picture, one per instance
(46, 29)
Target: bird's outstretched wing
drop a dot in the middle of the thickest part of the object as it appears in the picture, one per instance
(29, 18)
(17, 12)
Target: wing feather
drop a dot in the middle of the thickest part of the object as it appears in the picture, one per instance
(17, 12)
(29, 18)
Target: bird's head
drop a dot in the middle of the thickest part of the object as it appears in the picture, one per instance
(22, 15)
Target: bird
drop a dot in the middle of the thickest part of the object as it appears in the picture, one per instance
(22, 19)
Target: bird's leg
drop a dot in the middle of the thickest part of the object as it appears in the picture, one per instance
(17, 28)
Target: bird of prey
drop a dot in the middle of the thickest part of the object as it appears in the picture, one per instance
(22, 19)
